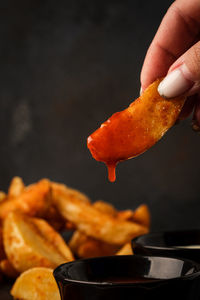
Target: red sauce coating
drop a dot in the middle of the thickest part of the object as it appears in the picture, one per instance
(132, 131)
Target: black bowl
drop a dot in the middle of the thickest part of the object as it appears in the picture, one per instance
(171, 243)
(108, 278)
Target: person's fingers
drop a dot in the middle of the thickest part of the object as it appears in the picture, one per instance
(183, 75)
(188, 107)
(177, 33)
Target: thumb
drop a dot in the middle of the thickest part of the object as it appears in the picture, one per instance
(183, 76)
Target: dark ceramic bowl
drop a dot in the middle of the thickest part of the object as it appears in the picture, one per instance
(108, 278)
(171, 243)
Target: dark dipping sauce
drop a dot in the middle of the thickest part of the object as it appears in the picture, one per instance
(129, 280)
(129, 277)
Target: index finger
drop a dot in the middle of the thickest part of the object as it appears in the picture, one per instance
(177, 32)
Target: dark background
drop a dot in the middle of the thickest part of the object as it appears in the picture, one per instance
(65, 67)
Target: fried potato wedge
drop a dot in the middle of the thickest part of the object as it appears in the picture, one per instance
(132, 131)
(53, 238)
(54, 218)
(141, 215)
(58, 222)
(16, 187)
(36, 284)
(33, 201)
(31, 242)
(84, 246)
(2, 196)
(126, 215)
(125, 250)
(69, 226)
(94, 223)
(7, 269)
(69, 192)
(105, 207)
(2, 252)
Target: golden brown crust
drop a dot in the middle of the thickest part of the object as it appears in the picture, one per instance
(94, 223)
(132, 131)
(33, 201)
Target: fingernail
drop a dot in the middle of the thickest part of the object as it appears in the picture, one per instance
(175, 83)
(141, 91)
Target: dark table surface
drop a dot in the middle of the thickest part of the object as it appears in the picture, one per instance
(5, 291)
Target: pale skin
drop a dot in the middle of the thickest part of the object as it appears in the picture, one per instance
(177, 43)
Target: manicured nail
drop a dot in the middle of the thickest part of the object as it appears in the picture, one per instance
(175, 83)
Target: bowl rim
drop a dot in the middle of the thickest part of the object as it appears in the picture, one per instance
(137, 241)
(59, 277)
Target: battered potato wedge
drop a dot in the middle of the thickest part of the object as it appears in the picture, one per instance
(125, 250)
(16, 187)
(132, 131)
(36, 284)
(35, 200)
(94, 223)
(31, 242)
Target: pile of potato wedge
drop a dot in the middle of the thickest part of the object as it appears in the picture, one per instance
(32, 220)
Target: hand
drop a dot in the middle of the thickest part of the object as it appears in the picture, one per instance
(175, 51)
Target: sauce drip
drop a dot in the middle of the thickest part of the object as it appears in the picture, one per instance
(111, 172)
(132, 131)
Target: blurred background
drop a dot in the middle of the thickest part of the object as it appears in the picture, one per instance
(65, 67)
